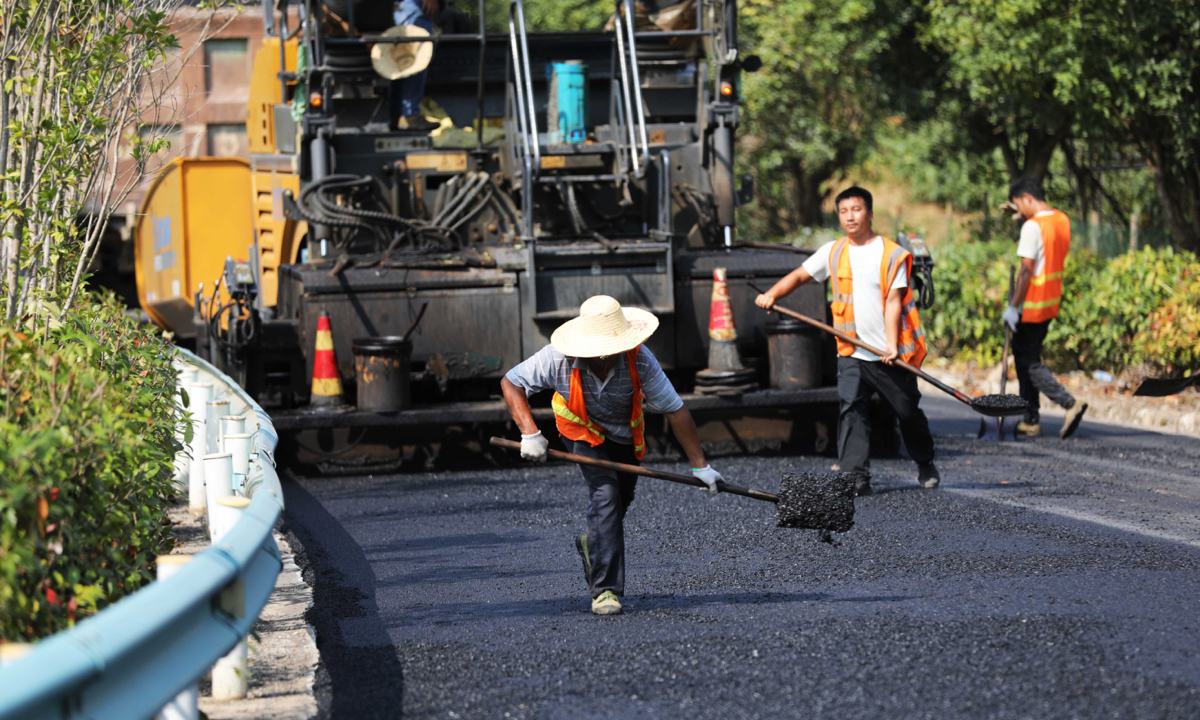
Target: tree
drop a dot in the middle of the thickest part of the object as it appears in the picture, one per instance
(833, 74)
(77, 76)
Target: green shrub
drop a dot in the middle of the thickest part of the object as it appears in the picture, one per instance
(88, 415)
(1133, 309)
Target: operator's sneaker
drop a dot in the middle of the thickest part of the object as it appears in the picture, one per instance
(415, 122)
(606, 604)
(582, 548)
(928, 476)
(862, 486)
(1072, 420)
(1027, 429)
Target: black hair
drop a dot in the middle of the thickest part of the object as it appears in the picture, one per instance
(1027, 185)
(855, 192)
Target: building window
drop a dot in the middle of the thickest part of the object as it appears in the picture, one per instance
(227, 69)
(227, 140)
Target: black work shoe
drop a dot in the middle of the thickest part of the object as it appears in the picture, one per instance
(1072, 420)
(928, 477)
(582, 548)
(862, 487)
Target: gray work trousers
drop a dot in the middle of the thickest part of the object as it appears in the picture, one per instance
(1034, 377)
(857, 381)
(609, 496)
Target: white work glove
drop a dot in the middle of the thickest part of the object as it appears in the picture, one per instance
(533, 447)
(1012, 316)
(708, 476)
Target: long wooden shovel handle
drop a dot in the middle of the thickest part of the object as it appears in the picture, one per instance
(644, 472)
(859, 343)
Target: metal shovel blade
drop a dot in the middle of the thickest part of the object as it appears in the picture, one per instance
(1000, 405)
(1162, 387)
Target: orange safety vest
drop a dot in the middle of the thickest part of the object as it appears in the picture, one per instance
(571, 416)
(1045, 290)
(911, 340)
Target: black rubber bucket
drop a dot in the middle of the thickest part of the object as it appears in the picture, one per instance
(381, 365)
(794, 350)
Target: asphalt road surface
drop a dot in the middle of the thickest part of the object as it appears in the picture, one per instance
(1046, 579)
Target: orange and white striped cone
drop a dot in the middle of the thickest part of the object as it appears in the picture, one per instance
(326, 384)
(725, 373)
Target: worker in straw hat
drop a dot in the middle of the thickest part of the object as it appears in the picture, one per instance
(406, 63)
(603, 378)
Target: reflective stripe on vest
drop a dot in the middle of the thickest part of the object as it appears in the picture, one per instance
(1044, 296)
(571, 417)
(911, 338)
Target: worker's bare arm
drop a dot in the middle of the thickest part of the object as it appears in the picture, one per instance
(518, 406)
(684, 428)
(891, 321)
(786, 286)
(1024, 278)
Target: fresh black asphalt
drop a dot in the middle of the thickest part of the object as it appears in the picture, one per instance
(1046, 579)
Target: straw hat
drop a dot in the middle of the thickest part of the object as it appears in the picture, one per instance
(603, 328)
(399, 60)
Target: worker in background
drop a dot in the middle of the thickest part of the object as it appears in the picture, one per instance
(1045, 241)
(405, 94)
(603, 379)
(872, 302)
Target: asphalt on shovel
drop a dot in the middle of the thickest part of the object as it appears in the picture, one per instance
(809, 501)
(989, 405)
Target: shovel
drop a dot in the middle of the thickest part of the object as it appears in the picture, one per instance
(983, 433)
(1162, 387)
(814, 501)
(989, 405)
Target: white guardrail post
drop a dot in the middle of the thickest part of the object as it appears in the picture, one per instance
(144, 656)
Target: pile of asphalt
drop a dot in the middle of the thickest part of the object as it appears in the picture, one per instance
(816, 501)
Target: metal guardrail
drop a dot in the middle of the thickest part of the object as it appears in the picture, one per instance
(134, 657)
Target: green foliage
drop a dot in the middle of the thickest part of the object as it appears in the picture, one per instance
(88, 419)
(1135, 309)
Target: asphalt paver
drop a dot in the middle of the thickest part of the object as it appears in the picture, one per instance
(1044, 579)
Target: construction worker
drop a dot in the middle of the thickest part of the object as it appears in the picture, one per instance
(406, 92)
(871, 302)
(1045, 241)
(603, 378)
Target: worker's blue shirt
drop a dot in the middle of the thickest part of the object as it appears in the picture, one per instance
(409, 12)
(609, 401)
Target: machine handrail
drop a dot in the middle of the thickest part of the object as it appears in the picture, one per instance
(631, 78)
(131, 659)
(527, 130)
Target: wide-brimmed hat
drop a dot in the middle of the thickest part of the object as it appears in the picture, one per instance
(603, 328)
(401, 59)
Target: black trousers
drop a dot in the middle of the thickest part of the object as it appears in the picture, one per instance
(857, 381)
(1034, 377)
(609, 495)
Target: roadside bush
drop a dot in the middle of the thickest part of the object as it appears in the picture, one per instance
(88, 414)
(1140, 308)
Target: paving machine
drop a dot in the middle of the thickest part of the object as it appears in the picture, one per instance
(563, 165)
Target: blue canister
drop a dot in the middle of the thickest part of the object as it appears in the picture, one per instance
(567, 109)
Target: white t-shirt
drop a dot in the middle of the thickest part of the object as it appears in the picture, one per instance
(865, 262)
(1031, 245)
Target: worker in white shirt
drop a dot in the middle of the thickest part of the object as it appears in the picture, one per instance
(862, 264)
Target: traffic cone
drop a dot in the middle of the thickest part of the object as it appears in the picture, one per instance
(725, 374)
(326, 384)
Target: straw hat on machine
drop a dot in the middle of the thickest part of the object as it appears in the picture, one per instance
(603, 328)
(395, 60)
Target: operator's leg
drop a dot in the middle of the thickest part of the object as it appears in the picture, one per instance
(1027, 352)
(854, 421)
(609, 496)
(1044, 380)
(899, 389)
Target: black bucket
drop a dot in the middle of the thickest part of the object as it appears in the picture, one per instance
(381, 365)
(795, 355)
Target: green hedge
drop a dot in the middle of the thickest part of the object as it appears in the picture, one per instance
(88, 415)
(1141, 309)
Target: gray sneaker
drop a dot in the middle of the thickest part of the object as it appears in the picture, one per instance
(582, 548)
(928, 477)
